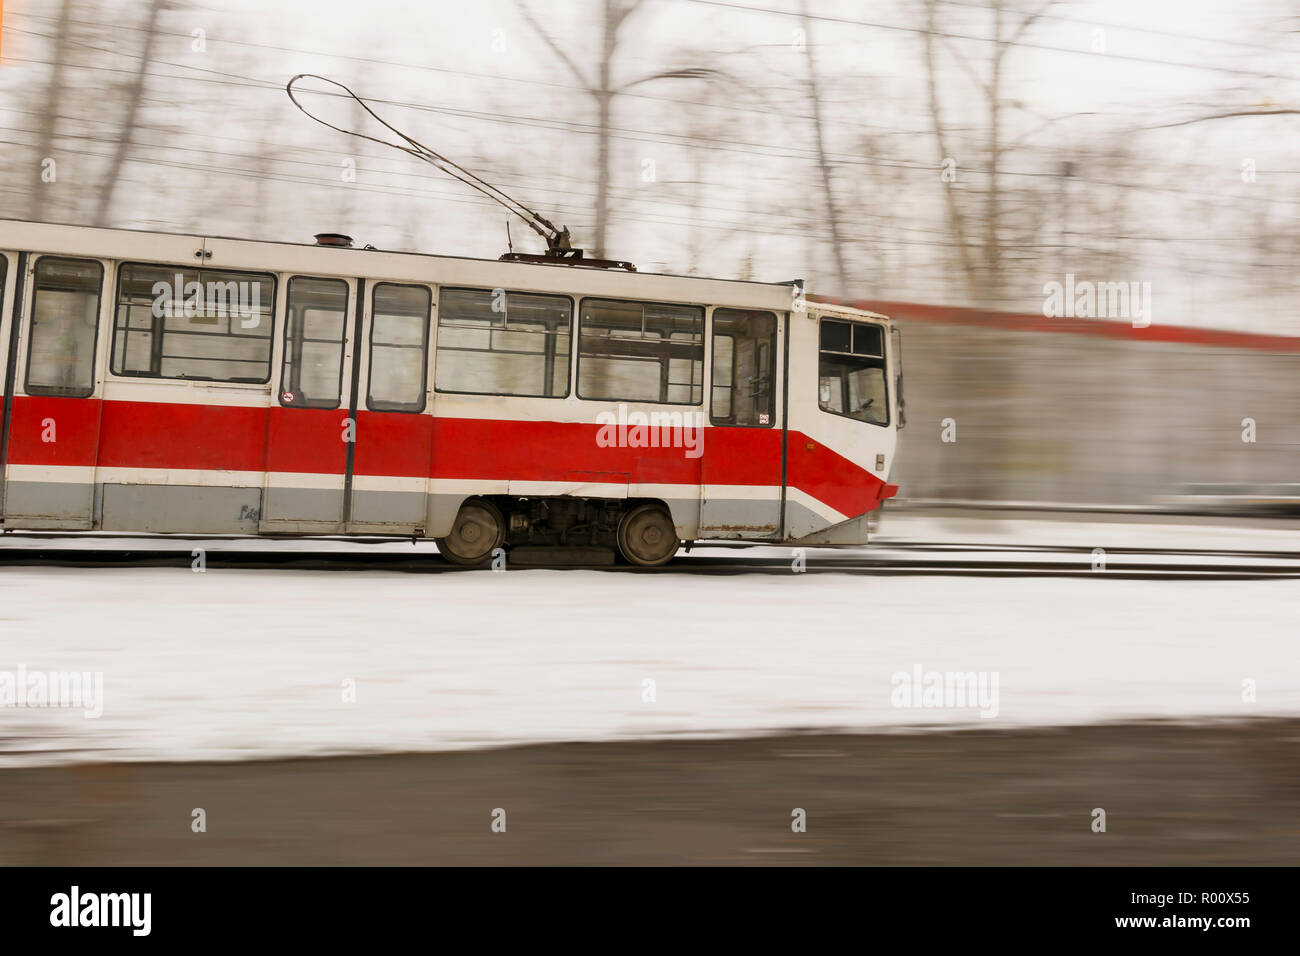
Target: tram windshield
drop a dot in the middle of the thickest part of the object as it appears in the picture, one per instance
(851, 371)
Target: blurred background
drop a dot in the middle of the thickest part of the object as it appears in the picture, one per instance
(940, 160)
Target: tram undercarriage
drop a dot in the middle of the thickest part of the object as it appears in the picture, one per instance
(561, 530)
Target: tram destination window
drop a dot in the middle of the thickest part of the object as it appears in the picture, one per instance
(851, 371)
(744, 368)
(65, 318)
(399, 348)
(315, 318)
(494, 342)
(641, 352)
(202, 324)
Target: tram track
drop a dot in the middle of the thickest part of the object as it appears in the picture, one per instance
(895, 559)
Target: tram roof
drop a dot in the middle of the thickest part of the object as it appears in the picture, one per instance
(382, 265)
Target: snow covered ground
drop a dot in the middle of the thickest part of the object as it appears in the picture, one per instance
(237, 664)
(1092, 530)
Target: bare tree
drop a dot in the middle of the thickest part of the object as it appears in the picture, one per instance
(602, 89)
(828, 186)
(986, 278)
(50, 107)
(134, 94)
(956, 217)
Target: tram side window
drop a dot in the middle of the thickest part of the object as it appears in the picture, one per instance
(399, 348)
(494, 342)
(193, 324)
(851, 371)
(744, 367)
(641, 352)
(724, 357)
(315, 318)
(65, 317)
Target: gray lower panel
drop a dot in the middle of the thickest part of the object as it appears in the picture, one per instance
(397, 509)
(686, 516)
(49, 503)
(442, 514)
(182, 509)
(739, 517)
(316, 506)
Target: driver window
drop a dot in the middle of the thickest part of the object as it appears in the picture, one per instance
(851, 371)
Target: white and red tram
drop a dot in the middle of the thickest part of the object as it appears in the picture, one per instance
(194, 385)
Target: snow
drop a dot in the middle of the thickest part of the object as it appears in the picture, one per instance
(239, 664)
(1095, 530)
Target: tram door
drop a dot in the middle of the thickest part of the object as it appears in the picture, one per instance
(51, 425)
(8, 261)
(311, 430)
(741, 474)
(390, 469)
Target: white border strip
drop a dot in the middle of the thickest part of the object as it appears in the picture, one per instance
(208, 478)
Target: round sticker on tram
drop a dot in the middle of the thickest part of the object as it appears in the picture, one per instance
(287, 398)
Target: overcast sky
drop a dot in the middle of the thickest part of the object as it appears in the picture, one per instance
(496, 98)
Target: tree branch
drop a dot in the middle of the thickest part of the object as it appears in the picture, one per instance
(555, 47)
(1028, 22)
(1218, 116)
(689, 73)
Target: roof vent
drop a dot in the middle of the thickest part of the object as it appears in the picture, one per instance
(333, 239)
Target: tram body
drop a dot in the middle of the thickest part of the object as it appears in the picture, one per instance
(199, 385)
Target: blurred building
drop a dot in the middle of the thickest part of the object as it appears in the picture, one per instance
(1090, 411)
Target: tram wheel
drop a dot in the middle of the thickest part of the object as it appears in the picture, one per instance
(646, 536)
(479, 530)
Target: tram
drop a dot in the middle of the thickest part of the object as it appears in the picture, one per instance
(537, 406)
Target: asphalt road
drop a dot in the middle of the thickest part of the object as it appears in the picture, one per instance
(1173, 794)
